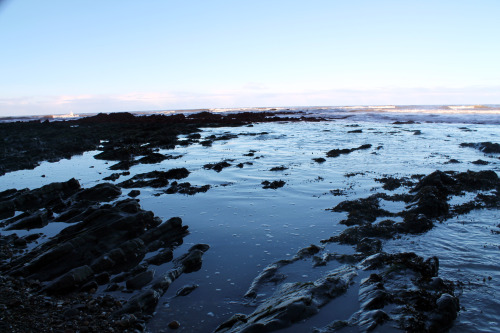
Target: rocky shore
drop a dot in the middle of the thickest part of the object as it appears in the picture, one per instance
(99, 272)
(50, 287)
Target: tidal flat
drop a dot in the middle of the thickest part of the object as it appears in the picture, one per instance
(288, 221)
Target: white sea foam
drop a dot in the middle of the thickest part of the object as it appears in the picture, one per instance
(477, 114)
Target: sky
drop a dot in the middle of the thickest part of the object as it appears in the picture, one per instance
(87, 56)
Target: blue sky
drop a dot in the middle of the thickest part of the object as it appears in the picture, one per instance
(60, 56)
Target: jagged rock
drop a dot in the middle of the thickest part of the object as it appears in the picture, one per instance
(162, 257)
(122, 153)
(338, 152)
(70, 281)
(101, 192)
(292, 302)
(369, 245)
(217, 166)
(155, 179)
(186, 188)
(270, 273)
(430, 201)
(191, 261)
(392, 183)
(426, 268)
(274, 184)
(110, 238)
(147, 300)
(152, 158)
(36, 220)
(485, 147)
(361, 211)
(123, 165)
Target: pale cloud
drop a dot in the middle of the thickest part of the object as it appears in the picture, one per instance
(247, 96)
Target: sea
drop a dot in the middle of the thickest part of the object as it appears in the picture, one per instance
(249, 227)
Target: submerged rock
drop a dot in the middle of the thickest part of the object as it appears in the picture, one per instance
(186, 290)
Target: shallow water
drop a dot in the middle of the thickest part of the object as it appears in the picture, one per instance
(248, 227)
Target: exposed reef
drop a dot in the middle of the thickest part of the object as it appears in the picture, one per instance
(120, 136)
(104, 244)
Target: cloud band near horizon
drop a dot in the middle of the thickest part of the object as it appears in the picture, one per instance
(249, 97)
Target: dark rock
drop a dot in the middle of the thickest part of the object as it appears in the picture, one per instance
(319, 160)
(147, 300)
(134, 193)
(447, 310)
(113, 176)
(206, 143)
(123, 165)
(279, 168)
(191, 261)
(70, 281)
(186, 290)
(485, 147)
(186, 188)
(292, 302)
(20, 242)
(174, 325)
(152, 158)
(34, 221)
(101, 192)
(123, 153)
(109, 239)
(308, 251)
(102, 278)
(371, 319)
(430, 201)
(408, 122)
(274, 184)
(162, 257)
(217, 166)
(480, 162)
(90, 286)
(140, 280)
(338, 152)
(391, 183)
(361, 211)
(155, 179)
(414, 224)
(369, 245)
(474, 181)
